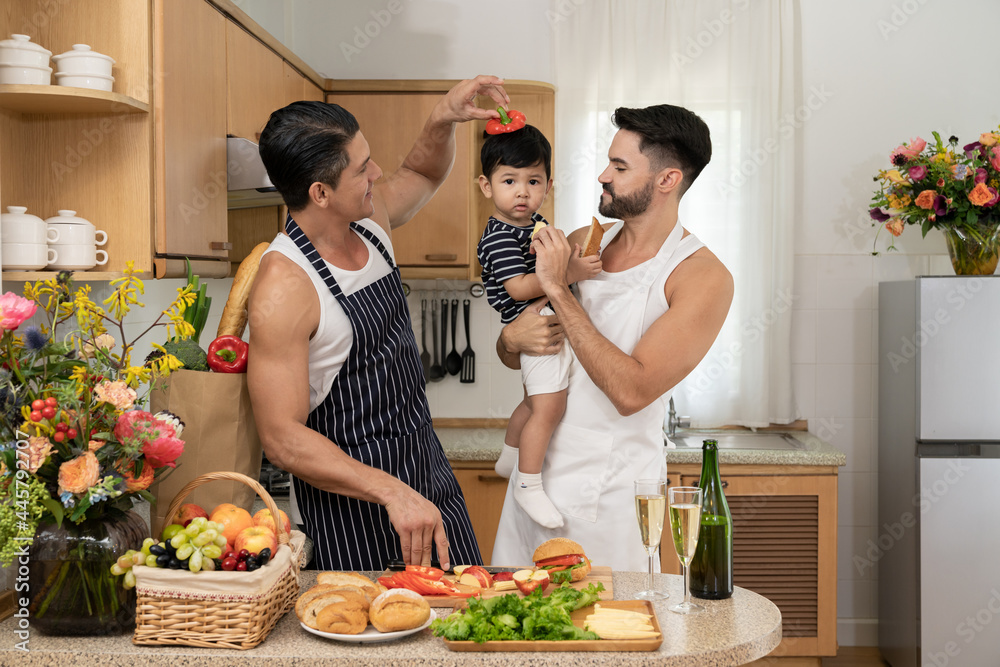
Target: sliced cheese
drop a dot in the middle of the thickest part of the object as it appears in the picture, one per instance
(605, 611)
(624, 634)
(540, 225)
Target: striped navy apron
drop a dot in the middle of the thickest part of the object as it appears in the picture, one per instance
(377, 413)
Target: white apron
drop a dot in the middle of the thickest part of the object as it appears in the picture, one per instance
(595, 453)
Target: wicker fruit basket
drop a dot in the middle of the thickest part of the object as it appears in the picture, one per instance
(218, 609)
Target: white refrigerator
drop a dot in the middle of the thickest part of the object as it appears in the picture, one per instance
(937, 552)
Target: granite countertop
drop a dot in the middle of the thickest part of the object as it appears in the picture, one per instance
(729, 632)
(484, 444)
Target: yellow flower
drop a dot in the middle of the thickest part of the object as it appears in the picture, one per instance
(79, 474)
(943, 157)
(124, 296)
(894, 176)
(899, 201)
(137, 375)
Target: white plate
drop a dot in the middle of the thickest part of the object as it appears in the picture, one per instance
(370, 635)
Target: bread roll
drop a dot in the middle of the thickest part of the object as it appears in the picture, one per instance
(342, 602)
(592, 244)
(399, 609)
(341, 620)
(371, 589)
(308, 597)
(234, 315)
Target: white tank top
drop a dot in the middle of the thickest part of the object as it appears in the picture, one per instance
(330, 345)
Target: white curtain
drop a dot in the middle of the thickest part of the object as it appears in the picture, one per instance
(735, 63)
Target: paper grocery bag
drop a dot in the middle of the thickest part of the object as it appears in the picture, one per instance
(219, 435)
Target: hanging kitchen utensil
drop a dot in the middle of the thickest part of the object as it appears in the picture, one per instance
(444, 337)
(468, 357)
(425, 356)
(454, 361)
(435, 372)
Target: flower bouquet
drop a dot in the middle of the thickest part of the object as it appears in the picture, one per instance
(75, 446)
(936, 185)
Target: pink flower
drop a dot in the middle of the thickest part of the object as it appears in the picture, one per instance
(911, 150)
(14, 310)
(917, 173)
(996, 196)
(116, 393)
(980, 175)
(995, 157)
(156, 438)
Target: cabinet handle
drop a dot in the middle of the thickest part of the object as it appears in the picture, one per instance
(492, 478)
(440, 258)
(220, 245)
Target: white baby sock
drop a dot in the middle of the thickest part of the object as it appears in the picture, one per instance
(530, 495)
(507, 461)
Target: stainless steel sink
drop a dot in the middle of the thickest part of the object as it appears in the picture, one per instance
(740, 440)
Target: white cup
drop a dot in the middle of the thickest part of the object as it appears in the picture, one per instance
(30, 234)
(27, 256)
(78, 235)
(79, 257)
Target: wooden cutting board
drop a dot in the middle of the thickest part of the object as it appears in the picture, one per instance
(598, 574)
(642, 606)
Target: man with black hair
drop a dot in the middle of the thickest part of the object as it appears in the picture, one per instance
(335, 376)
(637, 329)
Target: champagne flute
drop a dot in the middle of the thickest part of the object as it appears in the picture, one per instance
(650, 510)
(685, 521)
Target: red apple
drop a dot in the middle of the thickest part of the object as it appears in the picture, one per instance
(255, 539)
(264, 518)
(481, 575)
(189, 511)
(529, 580)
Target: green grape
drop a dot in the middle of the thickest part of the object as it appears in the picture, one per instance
(200, 521)
(220, 541)
(208, 537)
(117, 570)
(211, 551)
(178, 540)
(207, 564)
(125, 562)
(184, 551)
(138, 558)
(146, 543)
(192, 529)
(196, 561)
(214, 525)
(129, 579)
(151, 561)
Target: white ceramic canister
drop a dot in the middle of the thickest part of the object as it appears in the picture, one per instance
(27, 256)
(93, 81)
(74, 230)
(81, 60)
(18, 226)
(78, 257)
(20, 50)
(37, 76)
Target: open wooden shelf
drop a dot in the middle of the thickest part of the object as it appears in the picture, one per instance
(27, 98)
(78, 276)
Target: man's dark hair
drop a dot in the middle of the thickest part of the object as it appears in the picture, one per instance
(521, 148)
(305, 143)
(670, 137)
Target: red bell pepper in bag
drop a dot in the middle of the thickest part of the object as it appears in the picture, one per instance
(228, 354)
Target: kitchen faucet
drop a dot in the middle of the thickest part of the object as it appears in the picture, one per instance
(673, 421)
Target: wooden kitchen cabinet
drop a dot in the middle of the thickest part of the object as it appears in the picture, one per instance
(784, 546)
(484, 492)
(298, 87)
(440, 241)
(190, 135)
(255, 83)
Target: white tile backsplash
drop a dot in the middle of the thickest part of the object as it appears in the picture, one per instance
(844, 281)
(803, 336)
(843, 336)
(844, 391)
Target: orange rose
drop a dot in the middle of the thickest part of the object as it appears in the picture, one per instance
(980, 194)
(988, 139)
(926, 199)
(895, 226)
(80, 474)
(140, 483)
(94, 445)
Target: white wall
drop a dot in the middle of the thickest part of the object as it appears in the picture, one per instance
(893, 70)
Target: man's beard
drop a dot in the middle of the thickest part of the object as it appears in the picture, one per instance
(621, 207)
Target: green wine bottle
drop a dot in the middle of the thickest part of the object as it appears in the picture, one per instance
(712, 565)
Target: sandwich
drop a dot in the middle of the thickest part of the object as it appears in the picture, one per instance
(563, 559)
(592, 244)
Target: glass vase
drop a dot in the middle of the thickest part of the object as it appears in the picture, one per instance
(71, 587)
(974, 250)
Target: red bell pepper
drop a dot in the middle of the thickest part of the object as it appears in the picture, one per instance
(509, 121)
(228, 354)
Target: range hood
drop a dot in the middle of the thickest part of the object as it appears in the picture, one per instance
(247, 181)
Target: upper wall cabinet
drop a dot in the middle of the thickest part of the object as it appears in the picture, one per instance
(255, 83)
(440, 240)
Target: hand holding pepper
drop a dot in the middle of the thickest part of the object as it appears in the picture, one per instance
(509, 121)
(228, 354)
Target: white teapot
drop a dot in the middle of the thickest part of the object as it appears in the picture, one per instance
(18, 226)
(74, 230)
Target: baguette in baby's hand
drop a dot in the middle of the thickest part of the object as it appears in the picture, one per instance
(234, 316)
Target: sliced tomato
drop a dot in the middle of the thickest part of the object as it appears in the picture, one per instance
(388, 582)
(431, 573)
(555, 568)
(571, 559)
